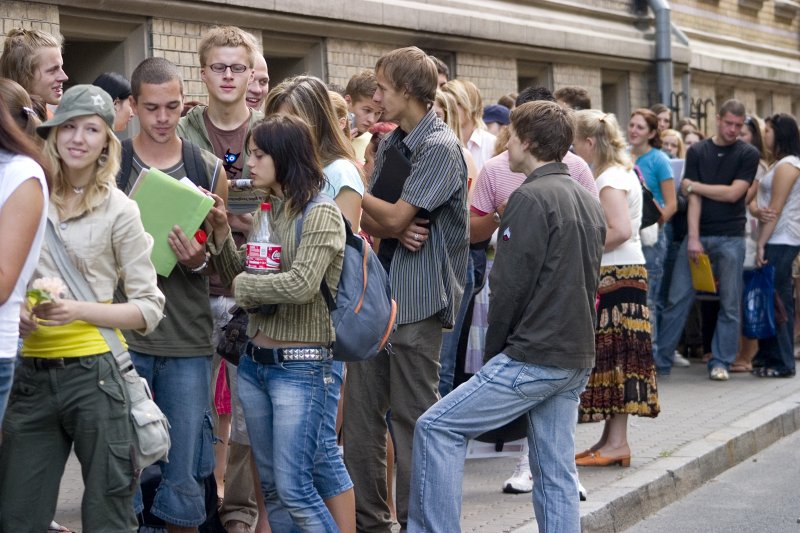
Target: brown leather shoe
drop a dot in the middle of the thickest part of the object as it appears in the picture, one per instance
(585, 453)
(236, 526)
(596, 459)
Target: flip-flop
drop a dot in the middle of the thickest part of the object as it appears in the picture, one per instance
(741, 367)
(55, 527)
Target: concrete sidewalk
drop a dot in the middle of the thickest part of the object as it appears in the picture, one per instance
(704, 428)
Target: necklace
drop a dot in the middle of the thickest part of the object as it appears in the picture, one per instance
(77, 190)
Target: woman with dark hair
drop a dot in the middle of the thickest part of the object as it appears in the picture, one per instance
(664, 116)
(779, 237)
(285, 365)
(24, 190)
(119, 88)
(645, 144)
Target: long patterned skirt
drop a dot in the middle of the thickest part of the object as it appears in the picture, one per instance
(623, 380)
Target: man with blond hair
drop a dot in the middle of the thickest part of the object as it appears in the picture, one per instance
(32, 58)
(534, 367)
(427, 276)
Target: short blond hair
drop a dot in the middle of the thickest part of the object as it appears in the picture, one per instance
(227, 37)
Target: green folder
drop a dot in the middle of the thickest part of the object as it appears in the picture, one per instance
(165, 202)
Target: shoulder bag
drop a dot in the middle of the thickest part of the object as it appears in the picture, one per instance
(150, 426)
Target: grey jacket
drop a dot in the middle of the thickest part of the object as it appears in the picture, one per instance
(545, 275)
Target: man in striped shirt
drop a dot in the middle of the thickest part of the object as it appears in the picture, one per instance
(428, 270)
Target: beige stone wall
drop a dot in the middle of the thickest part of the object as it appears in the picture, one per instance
(177, 41)
(590, 78)
(728, 18)
(638, 90)
(347, 58)
(782, 103)
(614, 5)
(27, 15)
(494, 76)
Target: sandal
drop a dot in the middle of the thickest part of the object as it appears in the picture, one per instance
(772, 373)
(741, 367)
(55, 527)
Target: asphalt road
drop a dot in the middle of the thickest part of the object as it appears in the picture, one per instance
(761, 494)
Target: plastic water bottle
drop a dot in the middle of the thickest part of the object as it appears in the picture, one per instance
(263, 252)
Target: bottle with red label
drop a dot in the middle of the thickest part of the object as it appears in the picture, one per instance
(263, 253)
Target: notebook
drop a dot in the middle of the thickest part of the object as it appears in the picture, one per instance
(163, 203)
(702, 275)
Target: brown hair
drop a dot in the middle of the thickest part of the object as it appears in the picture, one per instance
(651, 120)
(227, 37)
(546, 126)
(734, 107)
(154, 71)
(508, 100)
(20, 106)
(20, 60)
(362, 85)
(411, 70)
(307, 97)
(575, 97)
(13, 139)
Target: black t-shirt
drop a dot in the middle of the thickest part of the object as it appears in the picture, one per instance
(721, 165)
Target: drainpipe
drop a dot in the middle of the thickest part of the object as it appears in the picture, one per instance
(686, 78)
(661, 10)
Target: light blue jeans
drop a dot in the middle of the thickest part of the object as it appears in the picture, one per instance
(500, 392)
(654, 257)
(7, 366)
(449, 352)
(180, 387)
(727, 261)
(284, 406)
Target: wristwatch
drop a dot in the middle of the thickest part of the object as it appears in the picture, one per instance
(496, 217)
(689, 188)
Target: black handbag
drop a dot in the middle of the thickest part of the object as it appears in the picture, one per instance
(234, 336)
(650, 211)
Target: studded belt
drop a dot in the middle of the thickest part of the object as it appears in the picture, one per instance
(274, 356)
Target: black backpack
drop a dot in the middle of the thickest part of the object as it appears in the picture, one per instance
(193, 162)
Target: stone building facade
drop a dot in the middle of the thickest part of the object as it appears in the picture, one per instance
(748, 49)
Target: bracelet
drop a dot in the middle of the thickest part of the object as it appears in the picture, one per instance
(496, 217)
(201, 268)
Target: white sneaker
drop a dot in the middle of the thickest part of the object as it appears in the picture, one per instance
(718, 374)
(521, 480)
(679, 360)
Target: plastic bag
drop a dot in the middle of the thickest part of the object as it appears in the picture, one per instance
(758, 307)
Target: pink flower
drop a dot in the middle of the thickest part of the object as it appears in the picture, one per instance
(46, 290)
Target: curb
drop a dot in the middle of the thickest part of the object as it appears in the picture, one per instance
(652, 487)
(666, 480)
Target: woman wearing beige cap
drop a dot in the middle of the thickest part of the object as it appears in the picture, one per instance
(68, 390)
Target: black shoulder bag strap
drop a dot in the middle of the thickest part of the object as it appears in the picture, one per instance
(126, 165)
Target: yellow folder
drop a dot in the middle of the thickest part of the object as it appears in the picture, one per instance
(163, 203)
(702, 275)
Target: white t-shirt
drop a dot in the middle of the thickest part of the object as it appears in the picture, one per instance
(481, 146)
(14, 170)
(787, 230)
(342, 173)
(630, 251)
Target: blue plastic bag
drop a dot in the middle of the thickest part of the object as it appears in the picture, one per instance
(758, 307)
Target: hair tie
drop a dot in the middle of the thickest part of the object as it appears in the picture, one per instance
(28, 110)
(603, 118)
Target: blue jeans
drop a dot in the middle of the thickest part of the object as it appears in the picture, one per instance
(500, 392)
(284, 407)
(727, 261)
(449, 352)
(181, 389)
(654, 262)
(7, 367)
(778, 352)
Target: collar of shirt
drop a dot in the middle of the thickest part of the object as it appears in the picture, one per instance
(546, 170)
(420, 132)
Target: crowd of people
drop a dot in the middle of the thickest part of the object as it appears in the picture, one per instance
(539, 252)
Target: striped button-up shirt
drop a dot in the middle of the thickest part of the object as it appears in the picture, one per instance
(431, 281)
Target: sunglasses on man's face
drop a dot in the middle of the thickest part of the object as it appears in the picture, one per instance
(220, 68)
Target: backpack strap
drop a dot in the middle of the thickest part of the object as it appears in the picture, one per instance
(298, 231)
(195, 165)
(126, 164)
